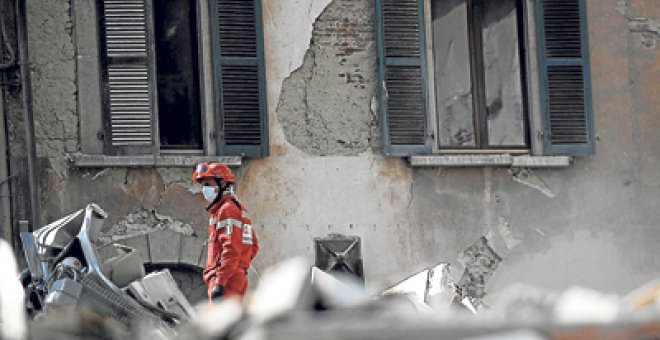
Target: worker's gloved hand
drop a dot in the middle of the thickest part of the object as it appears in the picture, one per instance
(217, 291)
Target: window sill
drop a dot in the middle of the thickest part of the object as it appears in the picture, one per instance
(161, 161)
(496, 161)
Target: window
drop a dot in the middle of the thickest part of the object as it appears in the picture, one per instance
(151, 63)
(177, 79)
(477, 74)
(473, 94)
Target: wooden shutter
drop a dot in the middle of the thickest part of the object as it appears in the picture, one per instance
(239, 77)
(565, 77)
(129, 90)
(402, 76)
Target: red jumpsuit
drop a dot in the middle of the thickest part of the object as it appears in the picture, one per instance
(232, 245)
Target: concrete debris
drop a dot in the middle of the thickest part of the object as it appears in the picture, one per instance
(415, 286)
(76, 294)
(294, 302)
(12, 318)
(431, 286)
(480, 262)
(524, 334)
(73, 290)
(283, 288)
(580, 305)
(338, 291)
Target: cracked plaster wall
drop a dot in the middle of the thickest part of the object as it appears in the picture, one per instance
(600, 224)
(341, 57)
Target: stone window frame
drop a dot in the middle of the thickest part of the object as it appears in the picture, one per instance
(90, 98)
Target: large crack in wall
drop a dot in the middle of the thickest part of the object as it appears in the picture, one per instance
(342, 58)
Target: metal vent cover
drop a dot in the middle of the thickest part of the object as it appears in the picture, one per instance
(339, 253)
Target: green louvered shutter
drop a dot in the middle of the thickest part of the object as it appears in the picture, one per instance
(402, 76)
(127, 77)
(565, 77)
(240, 90)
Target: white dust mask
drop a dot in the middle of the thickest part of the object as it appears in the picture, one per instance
(209, 193)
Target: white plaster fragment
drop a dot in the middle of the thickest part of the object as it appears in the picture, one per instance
(501, 238)
(99, 174)
(622, 7)
(507, 234)
(538, 230)
(12, 318)
(527, 177)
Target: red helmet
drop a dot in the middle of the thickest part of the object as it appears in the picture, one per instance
(213, 170)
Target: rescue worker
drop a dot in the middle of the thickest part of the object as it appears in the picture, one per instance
(232, 243)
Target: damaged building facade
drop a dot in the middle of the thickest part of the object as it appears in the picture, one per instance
(528, 126)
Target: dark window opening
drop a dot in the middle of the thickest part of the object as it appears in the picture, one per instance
(478, 48)
(179, 114)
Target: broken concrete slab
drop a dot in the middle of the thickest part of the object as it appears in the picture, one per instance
(202, 257)
(338, 291)
(140, 243)
(191, 249)
(164, 246)
(431, 285)
(480, 262)
(283, 288)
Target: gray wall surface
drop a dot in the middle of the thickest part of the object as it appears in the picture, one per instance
(595, 223)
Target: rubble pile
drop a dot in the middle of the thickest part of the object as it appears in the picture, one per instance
(68, 291)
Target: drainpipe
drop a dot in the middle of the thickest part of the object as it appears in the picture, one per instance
(26, 86)
(5, 203)
(5, 197)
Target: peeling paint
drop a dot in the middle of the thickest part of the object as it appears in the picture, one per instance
(647, 28)
(341, 56)
(529, 178)
(480, 262)
(143, 221)
(180, 176)
(502, 239)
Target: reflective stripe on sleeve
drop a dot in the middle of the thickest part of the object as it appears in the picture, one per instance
(228, 223)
